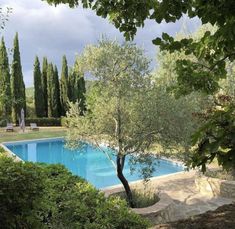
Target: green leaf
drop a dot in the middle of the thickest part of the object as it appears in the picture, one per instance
(157, 41)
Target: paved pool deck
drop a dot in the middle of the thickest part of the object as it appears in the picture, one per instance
(188, 201)
(181, 188)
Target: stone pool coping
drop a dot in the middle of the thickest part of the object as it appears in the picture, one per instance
(115, 188)
(31, 140)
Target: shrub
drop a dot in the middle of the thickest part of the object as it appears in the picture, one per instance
(141, 199)
(49, 196)
(64, 122)
(2, 151)
(44, 121)
(3, 122)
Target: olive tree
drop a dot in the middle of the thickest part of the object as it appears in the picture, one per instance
(118, 104)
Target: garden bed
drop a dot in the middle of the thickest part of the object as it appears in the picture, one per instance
(158, 212)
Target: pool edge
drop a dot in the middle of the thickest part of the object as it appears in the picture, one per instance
(10, 153)
(17, 158)
(13, 155)
(108, 188)
(30, 140)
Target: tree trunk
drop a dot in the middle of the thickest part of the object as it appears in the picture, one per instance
(120, 165)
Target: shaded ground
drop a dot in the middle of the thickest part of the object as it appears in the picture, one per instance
(221, 218)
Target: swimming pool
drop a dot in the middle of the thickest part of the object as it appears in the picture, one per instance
(89, 162)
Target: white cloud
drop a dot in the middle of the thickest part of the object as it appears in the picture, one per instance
(53, 31)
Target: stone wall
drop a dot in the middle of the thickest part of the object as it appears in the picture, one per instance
(160, 212)
(216, 187)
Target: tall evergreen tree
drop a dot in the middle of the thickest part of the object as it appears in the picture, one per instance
(80, 91)
(50, 76)
(5, 84)
(64, 87)
(17, 83)
(44, 85)
(53, 91)
(57, 92)
(71, 84)
(38, 90)
(79, 87)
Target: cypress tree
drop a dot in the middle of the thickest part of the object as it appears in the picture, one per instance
(77, 87)
(17, 83)
(64, 90)
(50, 75)
(80, 87)
(58, 109)
(44, 85)
(53, 91)
(38, 90)
(5, 84)
(81, 91)
(71, 86)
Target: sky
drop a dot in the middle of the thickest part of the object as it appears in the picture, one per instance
(50, 31)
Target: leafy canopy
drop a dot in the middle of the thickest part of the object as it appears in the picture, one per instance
(116, 102)
(211, 50)
(215, 139)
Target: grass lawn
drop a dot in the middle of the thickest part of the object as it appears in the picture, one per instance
(44, 132)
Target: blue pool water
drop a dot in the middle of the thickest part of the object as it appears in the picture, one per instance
(88, 162)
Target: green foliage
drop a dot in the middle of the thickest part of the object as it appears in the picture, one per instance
(5, 84)
(48, 196)
(22, 187)
(57, 104)
(4, 16)
(215, 139)
(141, 199)
(17, 83)
(3, 122)
(210, 51)
(175, 112)
(38, 90)
(116, 103)
(50, 74)
(44, 85)
(2, 151)
(30, 102)
(77, 85)
(44, 121)
(54, 107)
(64, 87)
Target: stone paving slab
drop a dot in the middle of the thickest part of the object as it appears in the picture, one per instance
(181, 188)
(187, 199)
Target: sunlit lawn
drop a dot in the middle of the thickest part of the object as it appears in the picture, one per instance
(43, 132)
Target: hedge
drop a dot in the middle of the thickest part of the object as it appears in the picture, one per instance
(43, 121)
(34, 195)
